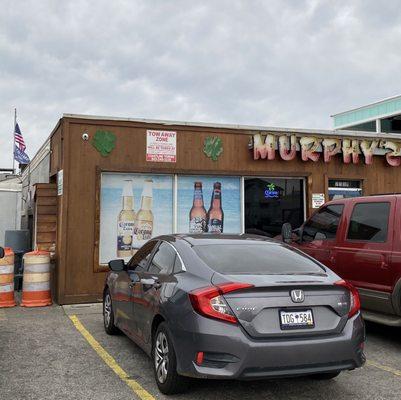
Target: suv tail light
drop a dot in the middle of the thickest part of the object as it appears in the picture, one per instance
(355, 305)
(210, 302)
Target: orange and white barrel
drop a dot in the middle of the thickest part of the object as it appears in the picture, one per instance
(36, 280)
(7, 279)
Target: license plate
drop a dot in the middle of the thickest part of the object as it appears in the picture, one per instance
(296, 319)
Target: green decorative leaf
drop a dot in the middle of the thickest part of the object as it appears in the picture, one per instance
(213, 147)
(104, 142)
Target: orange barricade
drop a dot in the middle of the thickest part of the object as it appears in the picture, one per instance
(36, 281)
(7, 279)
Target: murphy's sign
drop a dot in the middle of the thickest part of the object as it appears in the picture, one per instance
(311, 148)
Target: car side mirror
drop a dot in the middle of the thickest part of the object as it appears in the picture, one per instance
(286, 232)
(1, 252)
(117, 265)
(320, 236)
(297, 235)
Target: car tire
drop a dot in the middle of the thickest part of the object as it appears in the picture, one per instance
(326, 376)
(108, 314)
(165, 363)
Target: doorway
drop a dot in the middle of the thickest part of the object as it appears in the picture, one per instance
(269, 202)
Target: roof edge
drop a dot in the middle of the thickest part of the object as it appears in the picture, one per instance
(366, 105)
(250, 128)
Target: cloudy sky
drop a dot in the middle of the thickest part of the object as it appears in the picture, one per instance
(275, 63)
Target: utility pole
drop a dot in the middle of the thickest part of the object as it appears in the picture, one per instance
(15, 122)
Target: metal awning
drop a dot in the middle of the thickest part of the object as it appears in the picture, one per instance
(385, 108)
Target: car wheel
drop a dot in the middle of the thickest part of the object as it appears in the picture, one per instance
(326, 376)
(108, 314)
(165, 363)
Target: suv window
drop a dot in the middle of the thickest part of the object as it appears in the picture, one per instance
(140, 259)
(324, 224)
(369, 221)
(163, 260)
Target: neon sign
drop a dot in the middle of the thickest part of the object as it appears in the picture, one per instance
(271, 192)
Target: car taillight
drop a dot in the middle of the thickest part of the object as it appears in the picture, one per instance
(210, 302)
(355, 305)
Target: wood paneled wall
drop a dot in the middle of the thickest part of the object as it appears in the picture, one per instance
(45, 215)
(77, 235)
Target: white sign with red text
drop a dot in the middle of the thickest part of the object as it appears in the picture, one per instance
(317, 200)
(161, 146)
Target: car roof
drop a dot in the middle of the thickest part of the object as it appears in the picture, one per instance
(212, 238)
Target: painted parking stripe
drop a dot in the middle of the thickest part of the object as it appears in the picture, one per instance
(142, 393)
(383, 367)
(110, 361)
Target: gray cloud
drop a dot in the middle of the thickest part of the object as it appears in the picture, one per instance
(276, 63)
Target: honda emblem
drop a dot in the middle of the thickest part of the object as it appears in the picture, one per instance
(297, 296)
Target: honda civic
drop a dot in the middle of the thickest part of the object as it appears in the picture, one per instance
(233, 307)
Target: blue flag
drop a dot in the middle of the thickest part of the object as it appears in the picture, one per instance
(20, 156)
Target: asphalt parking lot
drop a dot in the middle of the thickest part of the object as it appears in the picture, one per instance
(44, 354)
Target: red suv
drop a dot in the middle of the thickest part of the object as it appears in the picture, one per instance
(360, 239)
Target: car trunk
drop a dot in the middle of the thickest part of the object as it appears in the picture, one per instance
(259, 309)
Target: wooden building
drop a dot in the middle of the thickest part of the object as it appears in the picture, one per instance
(106, 174)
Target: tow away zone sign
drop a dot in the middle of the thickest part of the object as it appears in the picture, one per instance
(161, 146)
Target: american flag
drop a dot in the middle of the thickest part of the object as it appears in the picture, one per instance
(19, 147)
(19, 140)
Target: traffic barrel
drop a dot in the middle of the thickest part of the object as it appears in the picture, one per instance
(7, 279)
(36, 279)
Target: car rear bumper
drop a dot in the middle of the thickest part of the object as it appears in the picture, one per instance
(229, 353)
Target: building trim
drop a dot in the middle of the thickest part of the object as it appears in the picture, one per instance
(249, 129)
(367, 105)
(368, 113)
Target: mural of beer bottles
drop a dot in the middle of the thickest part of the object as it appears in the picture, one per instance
(197, 214)
(126, 222)
(144, 218)
(215, 215)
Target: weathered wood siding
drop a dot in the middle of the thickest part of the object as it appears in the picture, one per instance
(78, 208)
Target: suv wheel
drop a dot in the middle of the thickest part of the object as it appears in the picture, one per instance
(165, 363)
(108, 314)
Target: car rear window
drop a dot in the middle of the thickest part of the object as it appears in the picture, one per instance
(261, 259)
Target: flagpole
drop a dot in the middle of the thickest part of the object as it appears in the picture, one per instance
(15, 122)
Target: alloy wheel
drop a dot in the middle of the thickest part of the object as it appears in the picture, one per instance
(107, 310)
(161, 357)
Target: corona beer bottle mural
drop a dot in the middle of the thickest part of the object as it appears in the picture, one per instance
(126, 222)
(144, 220)
(197, 215)
(215, 215)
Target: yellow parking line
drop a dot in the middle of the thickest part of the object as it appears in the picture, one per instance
(383, 367)
(135, 386)
(110, 361)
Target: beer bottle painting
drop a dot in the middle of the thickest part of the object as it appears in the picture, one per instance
(144, 218)
(215, 215)
(126, 222)
(197, 214)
